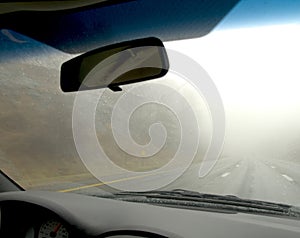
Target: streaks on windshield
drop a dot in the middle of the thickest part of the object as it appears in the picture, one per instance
(287, 177)
(225, 174)
(11, 36)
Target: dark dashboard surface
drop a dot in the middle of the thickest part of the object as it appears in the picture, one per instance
(24, 213)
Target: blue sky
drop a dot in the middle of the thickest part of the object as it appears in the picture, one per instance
(262, 12)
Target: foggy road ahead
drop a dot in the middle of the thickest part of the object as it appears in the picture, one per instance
(272, 180)
(252, 178)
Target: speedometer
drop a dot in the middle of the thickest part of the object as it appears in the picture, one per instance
(53, 229)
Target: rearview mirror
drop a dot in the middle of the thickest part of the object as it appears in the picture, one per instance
(114, 65)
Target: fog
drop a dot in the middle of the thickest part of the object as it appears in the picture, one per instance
(255, 70)
(257, 75)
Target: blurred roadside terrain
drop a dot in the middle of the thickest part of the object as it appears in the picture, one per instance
(36, 125)
(37, 145)
(37, 148)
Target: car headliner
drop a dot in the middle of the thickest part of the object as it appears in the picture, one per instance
(87, 27)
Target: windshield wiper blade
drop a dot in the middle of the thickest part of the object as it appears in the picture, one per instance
(222, 203)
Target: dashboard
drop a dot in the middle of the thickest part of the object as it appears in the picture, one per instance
(21, 219)
(40, 214)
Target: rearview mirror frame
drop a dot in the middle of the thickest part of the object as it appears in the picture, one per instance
(75, 71)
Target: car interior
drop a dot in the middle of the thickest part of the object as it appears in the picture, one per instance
(66, 66)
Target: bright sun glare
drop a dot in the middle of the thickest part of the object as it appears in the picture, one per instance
(260, 66)
(256, 71)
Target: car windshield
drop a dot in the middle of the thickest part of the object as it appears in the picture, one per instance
(224, 120)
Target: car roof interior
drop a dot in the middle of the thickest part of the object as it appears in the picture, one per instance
(62, 25)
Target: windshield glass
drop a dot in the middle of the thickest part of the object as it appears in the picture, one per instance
(224, 120)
